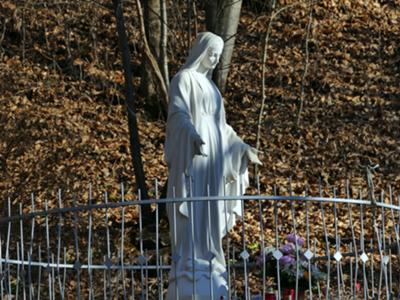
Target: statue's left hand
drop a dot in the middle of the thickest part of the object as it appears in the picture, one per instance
(252, 155)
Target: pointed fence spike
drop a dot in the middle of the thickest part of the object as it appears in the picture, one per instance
(122, 253)
(2, 296)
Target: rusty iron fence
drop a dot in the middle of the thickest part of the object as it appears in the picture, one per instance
(342, 247)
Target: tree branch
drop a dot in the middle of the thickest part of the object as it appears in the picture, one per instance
(153, 62)
(263, 71)
(303, 79)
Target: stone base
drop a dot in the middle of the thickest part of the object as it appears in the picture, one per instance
(206, 289)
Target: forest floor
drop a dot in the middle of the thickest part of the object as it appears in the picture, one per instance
(64, 123)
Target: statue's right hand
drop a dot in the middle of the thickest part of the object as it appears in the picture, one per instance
(198, 143)
(252, 155)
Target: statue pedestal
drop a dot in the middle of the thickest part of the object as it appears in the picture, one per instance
(206, 288)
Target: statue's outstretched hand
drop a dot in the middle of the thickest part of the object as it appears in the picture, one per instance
(252, 155)
(198, 143)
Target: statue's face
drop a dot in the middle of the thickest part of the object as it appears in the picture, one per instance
(211, 58)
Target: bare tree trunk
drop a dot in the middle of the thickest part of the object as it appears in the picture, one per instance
(212, 12)
(163, 101)
(224, 19)
(152, 23)
(189, 22)
(130, 103)
(195, 16)
(163, 46)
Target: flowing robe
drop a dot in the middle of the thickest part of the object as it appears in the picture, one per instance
(197, 228)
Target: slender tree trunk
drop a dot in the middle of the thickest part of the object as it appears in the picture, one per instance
(211, 14)
(152, 61)
(263, 71)
(130, 103)
(189, 14)
(152, 22)
(223, 20)
(164, 40)
(195, 16)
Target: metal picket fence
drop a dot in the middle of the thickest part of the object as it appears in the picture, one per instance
(345, 247)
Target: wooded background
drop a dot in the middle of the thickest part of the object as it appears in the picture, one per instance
(319, 81)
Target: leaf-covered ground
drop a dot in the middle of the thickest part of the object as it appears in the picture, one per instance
(64, 123)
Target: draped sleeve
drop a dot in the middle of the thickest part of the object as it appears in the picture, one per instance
(179, 146)
(236, 160)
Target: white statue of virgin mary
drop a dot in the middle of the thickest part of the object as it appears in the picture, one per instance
(205, 157)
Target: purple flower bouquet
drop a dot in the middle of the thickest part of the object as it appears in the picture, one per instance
(292, 264)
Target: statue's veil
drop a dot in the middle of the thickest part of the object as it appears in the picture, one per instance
(199, 49)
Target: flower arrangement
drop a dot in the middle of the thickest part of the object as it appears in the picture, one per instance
(291, 264)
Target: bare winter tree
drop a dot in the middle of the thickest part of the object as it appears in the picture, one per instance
(223, 19)
(163, 44)
(152, 22)
(130, 104)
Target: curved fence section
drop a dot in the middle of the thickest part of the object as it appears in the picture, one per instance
(302, 247)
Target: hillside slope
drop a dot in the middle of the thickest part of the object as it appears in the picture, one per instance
(64, 123)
